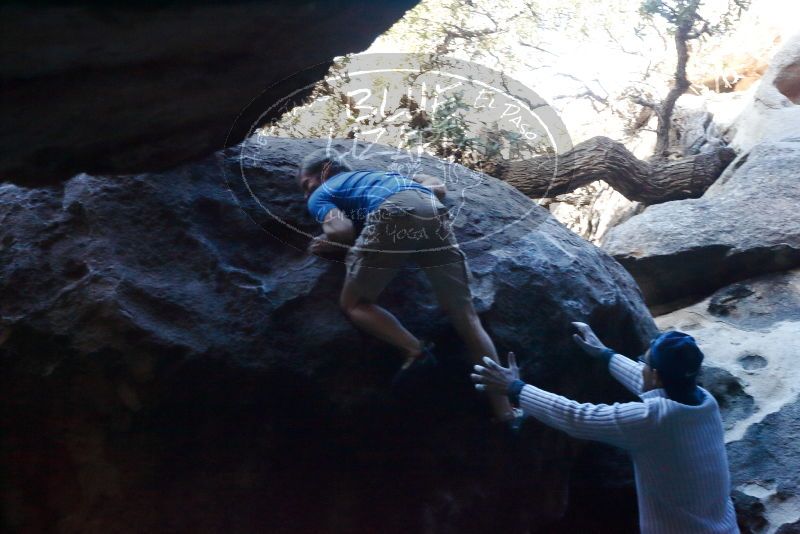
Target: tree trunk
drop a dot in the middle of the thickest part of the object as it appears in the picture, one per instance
(601, 158)
(678, 88)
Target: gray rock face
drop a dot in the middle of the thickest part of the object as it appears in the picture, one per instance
(591, 211)
(772, 112)
(766, 463)
(734, 403)
(178, 366)
(132, 87)
(745, 226)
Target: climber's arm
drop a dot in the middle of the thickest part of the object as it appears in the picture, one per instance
(432, 183)
(338, 227)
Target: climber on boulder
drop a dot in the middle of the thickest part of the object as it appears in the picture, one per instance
(384, 219)
(675, 436)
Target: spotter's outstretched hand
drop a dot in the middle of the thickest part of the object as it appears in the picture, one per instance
(493, 377)
(588, 341)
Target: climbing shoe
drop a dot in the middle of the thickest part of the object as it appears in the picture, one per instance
(515, 423)
(414, 370)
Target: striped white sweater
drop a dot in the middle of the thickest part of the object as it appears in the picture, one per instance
(678, 451)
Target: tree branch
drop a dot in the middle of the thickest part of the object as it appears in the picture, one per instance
(601, 158)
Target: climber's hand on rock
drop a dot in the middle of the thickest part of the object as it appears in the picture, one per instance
(322, 246)
(493, 377)
(589, 342)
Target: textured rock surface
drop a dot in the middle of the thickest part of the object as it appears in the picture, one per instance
(129, 87)
(773, 112)
(593, 210)
(734, 403)
(749, 332)
(694, 131)
(169, 364)
(747, 225)
(765, 464)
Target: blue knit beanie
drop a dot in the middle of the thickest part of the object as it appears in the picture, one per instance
(677, 359)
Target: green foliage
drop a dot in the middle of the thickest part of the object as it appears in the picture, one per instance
(686, 13)
(450, 135)
(508, 36)
(446, 133)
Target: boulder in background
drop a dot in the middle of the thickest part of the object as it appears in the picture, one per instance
(745, 226)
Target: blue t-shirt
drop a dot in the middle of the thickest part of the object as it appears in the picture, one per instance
(358, 193)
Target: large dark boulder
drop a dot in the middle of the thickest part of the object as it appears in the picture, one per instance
(131, 86)
(747, 224)
(173, 361)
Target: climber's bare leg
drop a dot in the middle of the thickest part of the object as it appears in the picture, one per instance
(448, 274)
(378, 322)
(468, 325)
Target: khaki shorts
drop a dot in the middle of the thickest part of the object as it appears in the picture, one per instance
(409, 226)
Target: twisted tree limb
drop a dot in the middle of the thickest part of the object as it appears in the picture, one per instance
(682, 36)
(601, 158)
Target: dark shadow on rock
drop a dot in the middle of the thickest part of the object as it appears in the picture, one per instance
(123, 87)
